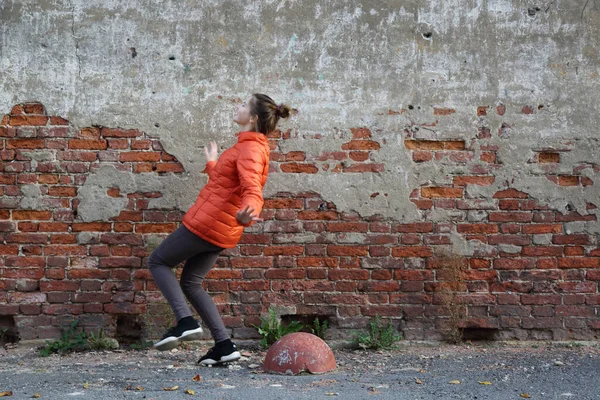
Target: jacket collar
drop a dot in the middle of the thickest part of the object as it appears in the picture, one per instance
(253, 136)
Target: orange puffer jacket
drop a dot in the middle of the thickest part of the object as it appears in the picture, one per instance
(235, 181)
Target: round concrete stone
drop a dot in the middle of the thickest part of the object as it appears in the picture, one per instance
(298, 352)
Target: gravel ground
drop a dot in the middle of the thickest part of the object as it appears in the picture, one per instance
(414, 371)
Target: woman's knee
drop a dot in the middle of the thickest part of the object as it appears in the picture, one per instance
(154, 261)
(189, 286)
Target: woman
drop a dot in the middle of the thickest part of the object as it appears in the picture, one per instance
(231, 200)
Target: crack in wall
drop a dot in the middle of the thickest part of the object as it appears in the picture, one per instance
(76, 41)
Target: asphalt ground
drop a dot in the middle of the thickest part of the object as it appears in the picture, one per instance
(413, 371)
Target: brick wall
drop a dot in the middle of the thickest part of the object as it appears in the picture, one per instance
(528, 276)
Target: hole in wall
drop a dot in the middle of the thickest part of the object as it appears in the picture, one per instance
(484, 334)
(8, 330)
(129, 329)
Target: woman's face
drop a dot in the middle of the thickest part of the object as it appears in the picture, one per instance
(242, 114)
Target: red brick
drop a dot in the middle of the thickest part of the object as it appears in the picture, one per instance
(283, 250)
(59, 286)
(284, 203)
(510, 194)
(354, 251)
(62, 191)
(542, 251)
(121, 133)
(361, 145)
(412, 251)
(359, 156)
(367, 167)
(87, 144)
(578, 262)
(574, 251)
(155, 228)
(27, 120)
(348, 274)
(442, 192)
(298, 168)
(120, 262)
(63, 309)
(379, 286)
(542, 228)
(477, 228)
(514, 263)
(473, 180)
(574, 216)
(547, 157)
(28, 144)
(422, 156)
(517, 216)
(285, 274)
(443, 111)
(169, 167)
(424, 144)
(253, 262)
(347, 227)
(571, 239)
(568, 180)
(328, 262)
(139, 156)
(317, 215)
(417, 227)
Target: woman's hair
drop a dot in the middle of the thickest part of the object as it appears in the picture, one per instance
(268, 112)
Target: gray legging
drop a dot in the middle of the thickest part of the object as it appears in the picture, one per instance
(201, 255)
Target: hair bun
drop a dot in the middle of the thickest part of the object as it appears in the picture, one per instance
(283, 111)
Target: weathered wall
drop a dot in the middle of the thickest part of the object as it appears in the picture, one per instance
(465, 127)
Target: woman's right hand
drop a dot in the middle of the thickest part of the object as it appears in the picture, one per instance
(211, 154)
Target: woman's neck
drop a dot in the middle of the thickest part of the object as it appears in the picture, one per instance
(247, 128)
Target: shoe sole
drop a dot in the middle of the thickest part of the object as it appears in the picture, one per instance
(225, 359)
(172, 341)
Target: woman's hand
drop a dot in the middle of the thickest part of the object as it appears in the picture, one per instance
(211, 155)
(245, 216)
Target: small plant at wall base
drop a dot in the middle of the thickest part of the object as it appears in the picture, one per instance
(69, 341)
(272, 330)
(100, 341)
(378, 336)
(319, 328)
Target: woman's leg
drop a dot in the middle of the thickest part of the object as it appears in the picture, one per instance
(194, 271)
(176, 248)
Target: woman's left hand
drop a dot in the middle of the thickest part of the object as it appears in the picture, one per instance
(245, 216)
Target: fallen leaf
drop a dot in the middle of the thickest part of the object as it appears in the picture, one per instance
(525, 396)
(418, 381)
(171, 389)
(6, 394)
(485, 383)
(36, 396)
(188, 391)
(86, 386)
(197, 378)
(454, 382)
(421, 370)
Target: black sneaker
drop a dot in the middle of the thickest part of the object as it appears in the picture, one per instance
(186, 329)
(223, 352)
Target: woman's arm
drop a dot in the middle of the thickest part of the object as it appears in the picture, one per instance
(250, 166)
(211, 158)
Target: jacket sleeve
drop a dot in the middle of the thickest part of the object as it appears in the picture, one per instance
(209, 168)
(250, 167)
